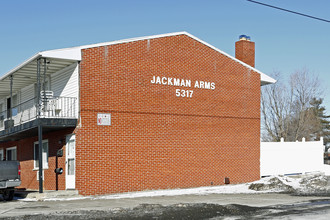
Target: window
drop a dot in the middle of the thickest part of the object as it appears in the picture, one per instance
(11, 153)
(2, 115)
(44, 154)
(1, 154)
(14, 107)
(12, 104)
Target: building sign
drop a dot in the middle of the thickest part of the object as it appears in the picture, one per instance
(186, 83)
(103, 119)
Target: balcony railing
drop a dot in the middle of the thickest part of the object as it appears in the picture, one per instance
(54, 107)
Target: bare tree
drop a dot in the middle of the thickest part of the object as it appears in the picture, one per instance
(305, 87)
(285, 107)
(276, 102)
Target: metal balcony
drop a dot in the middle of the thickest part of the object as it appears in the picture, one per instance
(54, 113)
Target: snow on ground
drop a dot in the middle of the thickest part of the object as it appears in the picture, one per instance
(224, 189)
(303, 184)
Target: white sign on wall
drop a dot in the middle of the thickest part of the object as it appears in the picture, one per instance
(103, 119)
(170, 81)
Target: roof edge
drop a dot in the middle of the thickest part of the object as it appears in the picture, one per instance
(74, 53)
(128, 40)
(263, 77)
(37, 55)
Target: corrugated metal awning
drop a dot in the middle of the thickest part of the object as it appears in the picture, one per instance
(26, 73)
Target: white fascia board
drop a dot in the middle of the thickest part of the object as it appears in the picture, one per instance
(67, 53)
(265, 79)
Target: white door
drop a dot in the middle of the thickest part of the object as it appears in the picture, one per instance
(70, 162)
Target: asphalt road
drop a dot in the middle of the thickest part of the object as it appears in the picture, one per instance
(213, 206)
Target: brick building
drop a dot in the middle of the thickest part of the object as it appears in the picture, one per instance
(158, 112)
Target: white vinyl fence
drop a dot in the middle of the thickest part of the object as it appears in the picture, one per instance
(284, 158)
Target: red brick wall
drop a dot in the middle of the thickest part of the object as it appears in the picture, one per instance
(157, 140)
(245, 51)
(25, 154)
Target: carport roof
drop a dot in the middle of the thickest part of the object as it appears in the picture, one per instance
(25, 73)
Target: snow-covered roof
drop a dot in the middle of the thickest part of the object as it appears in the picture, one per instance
(60, 58)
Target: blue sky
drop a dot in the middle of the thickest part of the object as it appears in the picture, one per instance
(284, 42)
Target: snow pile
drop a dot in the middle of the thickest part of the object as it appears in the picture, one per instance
(308, 184)
(314, 185)
(276, 184)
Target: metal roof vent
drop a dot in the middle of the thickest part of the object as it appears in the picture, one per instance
(244, 37)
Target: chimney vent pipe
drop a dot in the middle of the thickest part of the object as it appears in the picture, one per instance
(244, 37)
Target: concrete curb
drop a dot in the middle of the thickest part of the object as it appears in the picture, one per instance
(47, 194)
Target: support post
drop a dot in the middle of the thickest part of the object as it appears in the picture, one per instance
(41, 178)
(56, 166)
(44, 84)
(38, 104)
(11, 98)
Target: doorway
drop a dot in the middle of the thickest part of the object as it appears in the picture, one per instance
(8, 107)
(70, 162)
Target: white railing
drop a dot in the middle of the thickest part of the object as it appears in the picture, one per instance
(53, 107)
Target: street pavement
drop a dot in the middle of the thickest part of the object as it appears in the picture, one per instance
(62, 203)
